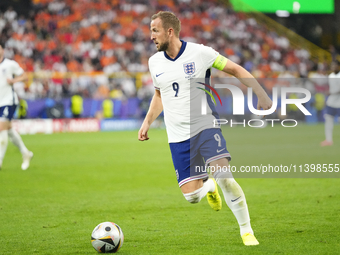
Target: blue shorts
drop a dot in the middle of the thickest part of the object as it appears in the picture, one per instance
(192, 157)
(332, 111)
(7, 111)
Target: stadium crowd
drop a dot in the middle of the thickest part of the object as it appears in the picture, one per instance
(113, 36)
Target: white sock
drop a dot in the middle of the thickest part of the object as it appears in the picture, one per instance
(329, 124)
(197, 195)
(3, 144)
(17, 141)
(209, 185)
(236, 201)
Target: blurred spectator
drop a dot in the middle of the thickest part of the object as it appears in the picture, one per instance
(76, 106)
(23, 108)
(107, 106)
(36, 90)
(10, 14)
(117, 92)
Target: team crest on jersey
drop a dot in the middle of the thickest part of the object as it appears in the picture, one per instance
(189, 68)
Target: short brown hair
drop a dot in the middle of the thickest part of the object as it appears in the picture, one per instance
(169, 20)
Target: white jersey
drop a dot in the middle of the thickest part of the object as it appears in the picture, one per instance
(334, 90)
(8, 68)
(177, 80)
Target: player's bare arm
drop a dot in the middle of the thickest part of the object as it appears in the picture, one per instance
(247, 79)
(156, 107)
(20, 78)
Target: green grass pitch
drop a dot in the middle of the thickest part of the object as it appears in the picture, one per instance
(78, 180)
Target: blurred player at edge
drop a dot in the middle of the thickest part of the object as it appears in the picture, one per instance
(8, 104)
(332, 103)
(172, 93)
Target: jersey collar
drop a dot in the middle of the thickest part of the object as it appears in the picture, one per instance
(2, 60)
(184, 44)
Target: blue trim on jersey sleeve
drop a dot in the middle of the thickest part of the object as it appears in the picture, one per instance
(210, 102)
(184, 44)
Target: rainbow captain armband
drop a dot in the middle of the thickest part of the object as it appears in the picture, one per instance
(220, 62)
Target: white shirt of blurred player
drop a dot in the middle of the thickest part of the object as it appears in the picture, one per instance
(182, 121)
(334, 90)
(8, 68)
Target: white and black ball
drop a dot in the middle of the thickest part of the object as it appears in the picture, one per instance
(107, 237)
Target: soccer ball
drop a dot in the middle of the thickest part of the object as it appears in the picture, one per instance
(107, 237)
